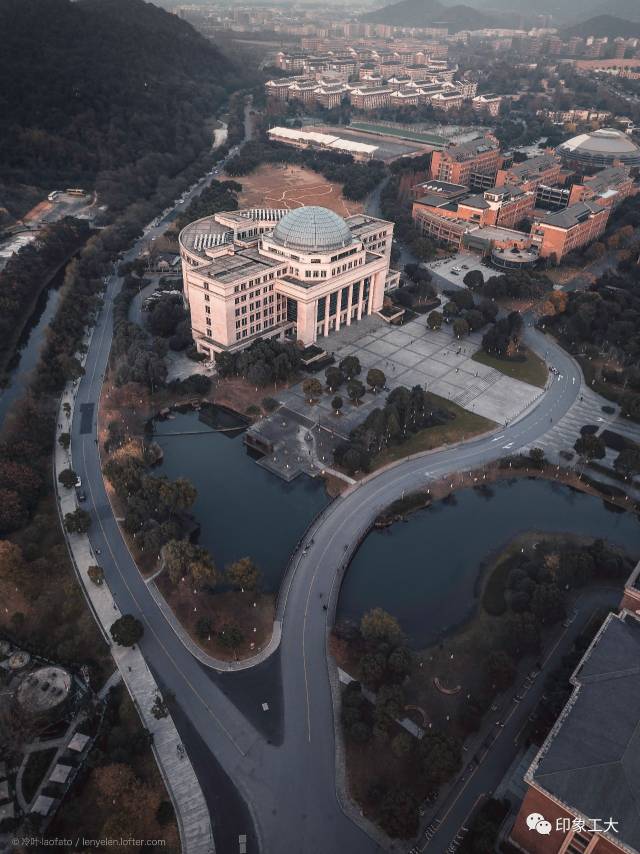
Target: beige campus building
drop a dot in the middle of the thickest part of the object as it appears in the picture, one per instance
(269, 273)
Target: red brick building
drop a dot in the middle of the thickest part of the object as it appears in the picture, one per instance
(561, 232)
(458, 164)
(584, 783)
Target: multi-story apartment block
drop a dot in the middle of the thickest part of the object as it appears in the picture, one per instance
(606, 188)
(297, 274)
(447, 101)
(488, 103)
(370, 99)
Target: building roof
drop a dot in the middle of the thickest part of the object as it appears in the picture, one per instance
(591, 759)
(312, 229)
(533, 166)
(570, 216)
(466, 150)
(606, 141)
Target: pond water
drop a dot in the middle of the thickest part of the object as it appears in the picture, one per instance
(29, 345)
(242, 508)
(425, 571)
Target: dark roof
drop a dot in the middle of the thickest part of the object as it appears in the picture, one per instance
(476, 201)
(465, 150)
(591, 759)
(570, 216)
(533, 166)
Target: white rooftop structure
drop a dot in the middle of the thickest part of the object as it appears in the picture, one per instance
(78, 742)
(60, 773)
(42, 805)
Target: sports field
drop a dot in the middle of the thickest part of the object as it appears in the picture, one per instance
(285, 186)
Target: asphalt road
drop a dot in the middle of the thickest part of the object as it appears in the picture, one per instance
(283, 769)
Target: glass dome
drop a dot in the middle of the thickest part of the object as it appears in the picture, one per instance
(312, 229)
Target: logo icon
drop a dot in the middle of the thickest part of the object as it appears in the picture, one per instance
(537, 822)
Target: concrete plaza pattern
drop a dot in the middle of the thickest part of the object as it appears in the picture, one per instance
(413, 355)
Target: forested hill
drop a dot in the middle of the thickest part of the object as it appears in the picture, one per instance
(90, 88)
(426, 13)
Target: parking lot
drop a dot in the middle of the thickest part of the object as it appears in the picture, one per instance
(443, 277)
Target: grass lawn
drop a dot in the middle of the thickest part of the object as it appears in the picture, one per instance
(532, 370)
(465, 425)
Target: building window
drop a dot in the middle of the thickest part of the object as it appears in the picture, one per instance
(207, 297)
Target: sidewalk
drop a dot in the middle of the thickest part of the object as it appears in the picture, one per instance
(182, 785)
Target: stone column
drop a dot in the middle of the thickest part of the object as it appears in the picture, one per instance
(349, 305)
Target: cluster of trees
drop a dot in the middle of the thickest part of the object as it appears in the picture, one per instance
(155, 508)
(463, 313)
(533, 594)
(419, 292)
(394, 208)
(357, 179)
(219, 196)
(514, 284)
(384, 663)
(28, 270)
(502, 338)
(169, 319)
(404, 413)
(605, 321)
(130, 121)
(262, 363)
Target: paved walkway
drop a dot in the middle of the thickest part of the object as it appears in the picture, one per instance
(177, 771)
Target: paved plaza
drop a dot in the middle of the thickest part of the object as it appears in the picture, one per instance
(415, 355)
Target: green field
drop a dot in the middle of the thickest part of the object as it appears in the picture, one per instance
(532, 369)
(414, 136)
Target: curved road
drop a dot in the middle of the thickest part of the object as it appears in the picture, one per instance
(287, 778)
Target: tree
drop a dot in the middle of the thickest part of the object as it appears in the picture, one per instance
(243, 574)
(355, 390)
(12, 562)
(68, 478)
(401, 744)
(350, 367)
(376, 379)
(377, 625)
(127, 630)
(441, 757)
(628, 462)
(230, 636)
(312, 389)
(64, 440)
(500, 670)
(336, 404)
(96, 574)
(77, 522)
(159, 708)
(590, 447)
(434, 320)
(182, 558)
(334, 378)
(460, 328)
(372, 668)
(204, 627)
(473, 279)
(547, 603)
(398, 813)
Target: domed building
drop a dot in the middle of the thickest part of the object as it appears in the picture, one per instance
(274, 273)
(599, 150)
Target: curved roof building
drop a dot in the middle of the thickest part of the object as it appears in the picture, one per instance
(282, 274)
(312, 229)
(600, 149)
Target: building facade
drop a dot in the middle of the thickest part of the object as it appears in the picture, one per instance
(272, 273)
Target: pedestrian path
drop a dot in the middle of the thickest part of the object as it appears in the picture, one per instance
(182, 785)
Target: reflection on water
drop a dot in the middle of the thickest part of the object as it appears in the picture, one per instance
(242, 509)
(425, 571)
